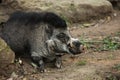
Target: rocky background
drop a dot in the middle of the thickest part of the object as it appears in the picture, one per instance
(71, 10)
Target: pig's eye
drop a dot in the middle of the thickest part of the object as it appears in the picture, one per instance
(63, 37)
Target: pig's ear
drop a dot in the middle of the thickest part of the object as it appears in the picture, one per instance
(49, 30)
(54, 20)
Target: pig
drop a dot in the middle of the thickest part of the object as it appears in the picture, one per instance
(40, 35)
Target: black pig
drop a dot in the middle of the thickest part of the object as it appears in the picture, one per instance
(42, 34)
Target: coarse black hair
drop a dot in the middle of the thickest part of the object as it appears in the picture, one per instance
(33, 18)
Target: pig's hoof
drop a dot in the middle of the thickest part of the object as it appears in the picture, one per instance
(58, 65)
(42, 70)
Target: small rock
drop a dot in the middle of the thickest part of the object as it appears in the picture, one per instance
(115, 14)
(10, 79)
(24, 78)
(20, 61)
(88, 24)
(14, 75)
(108, 18)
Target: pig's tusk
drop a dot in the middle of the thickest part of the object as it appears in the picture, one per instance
(71, 45)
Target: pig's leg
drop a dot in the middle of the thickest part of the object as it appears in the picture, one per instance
(58, 61)
(39, 61)
(37, 50)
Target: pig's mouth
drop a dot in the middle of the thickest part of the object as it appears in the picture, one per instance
(75, 49)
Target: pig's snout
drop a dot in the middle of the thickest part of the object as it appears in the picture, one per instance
(76, 44)
(76, 47)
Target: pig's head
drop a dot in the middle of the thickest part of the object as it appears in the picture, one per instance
(62, 42)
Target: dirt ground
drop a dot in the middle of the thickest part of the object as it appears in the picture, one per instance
(97, 65)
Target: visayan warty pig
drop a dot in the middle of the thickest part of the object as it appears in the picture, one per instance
(42, 35)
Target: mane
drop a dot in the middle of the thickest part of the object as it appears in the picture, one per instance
(33, 18)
